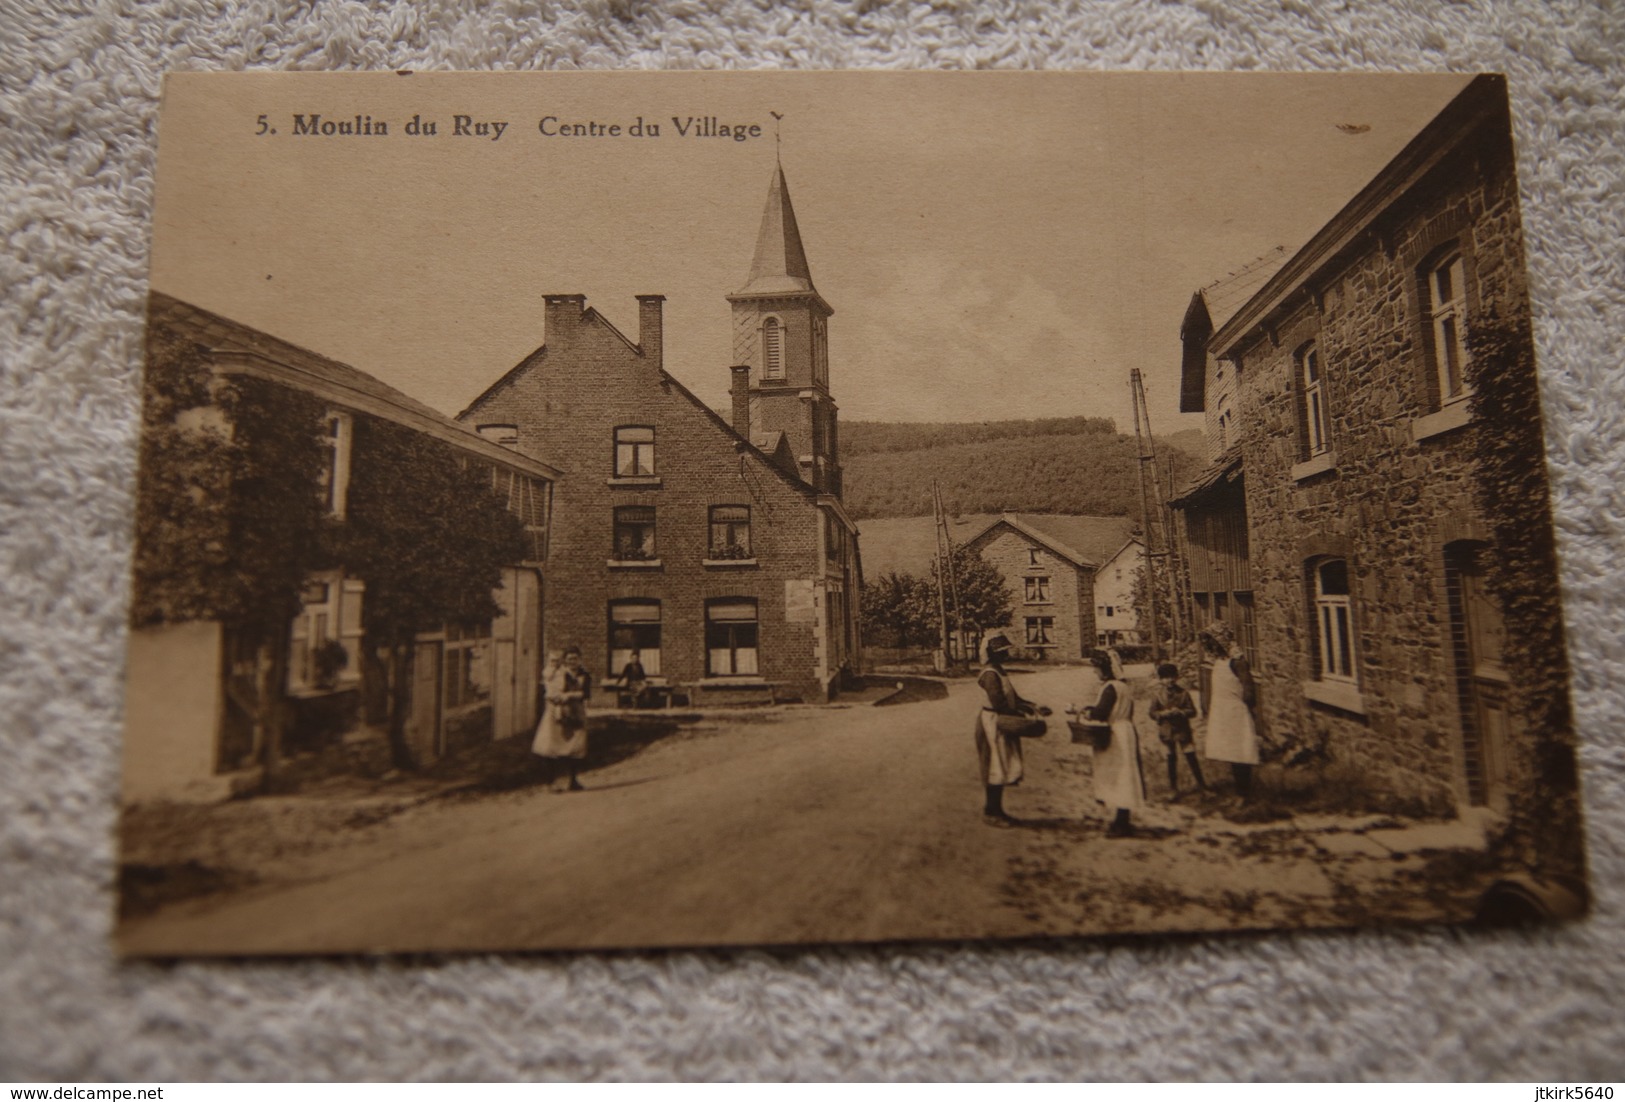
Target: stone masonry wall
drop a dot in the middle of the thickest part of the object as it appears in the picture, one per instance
(1071, 592)
(1390, 503)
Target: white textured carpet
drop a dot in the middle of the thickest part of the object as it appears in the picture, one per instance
(78, 102)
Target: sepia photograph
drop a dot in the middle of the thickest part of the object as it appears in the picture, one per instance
(1095, 504)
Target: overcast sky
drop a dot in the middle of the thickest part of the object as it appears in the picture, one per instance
(995, 245)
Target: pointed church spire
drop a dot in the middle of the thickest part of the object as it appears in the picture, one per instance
(780, 264)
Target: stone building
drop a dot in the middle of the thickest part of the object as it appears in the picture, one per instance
(716, 548)
(1342, 525)
(269, 475)
(1051, 564)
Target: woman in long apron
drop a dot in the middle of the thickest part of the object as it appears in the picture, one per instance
(1232, 733)
(562, 733)
(1118, 781)
(1001, 724)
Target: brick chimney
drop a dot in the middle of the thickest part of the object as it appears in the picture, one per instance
(562, 318)
(740, 392)
(650, 333)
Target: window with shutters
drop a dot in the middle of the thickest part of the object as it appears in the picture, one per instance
(732, 635)
(324, 639)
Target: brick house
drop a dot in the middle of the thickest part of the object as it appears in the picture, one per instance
(718, 549)
(1341, 525)
(261, 458)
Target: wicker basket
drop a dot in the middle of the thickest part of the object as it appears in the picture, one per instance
(1097, 735)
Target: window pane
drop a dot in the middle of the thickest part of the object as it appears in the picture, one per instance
(1327, 659)
(1343, 666)
(732, 610)
(635, 435)
(1334, 578)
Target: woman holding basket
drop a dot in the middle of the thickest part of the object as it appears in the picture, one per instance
(1118, 781)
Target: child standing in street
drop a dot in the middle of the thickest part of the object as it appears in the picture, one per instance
(1173, 709)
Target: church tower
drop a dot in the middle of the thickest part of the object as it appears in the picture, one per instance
(781, 346)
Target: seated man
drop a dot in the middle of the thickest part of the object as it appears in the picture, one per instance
(635, 683)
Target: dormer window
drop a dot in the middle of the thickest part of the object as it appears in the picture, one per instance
(772, 349)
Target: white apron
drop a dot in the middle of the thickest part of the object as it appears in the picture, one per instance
(1000, 753)
(1118, 783)
(1231, 733)
(553, 738)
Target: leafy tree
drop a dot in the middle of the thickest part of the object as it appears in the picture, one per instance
(900, 610)
(230, 523)
(227, 517)
(985, 598)
(1522, 574)
(1154, 571)
(430, 537)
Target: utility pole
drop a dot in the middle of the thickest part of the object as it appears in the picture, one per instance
(1152, 521)
(942, 584)
(945, 542)
(1184, 608)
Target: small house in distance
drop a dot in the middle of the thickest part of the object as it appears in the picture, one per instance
(1050, 562)
(328, 574)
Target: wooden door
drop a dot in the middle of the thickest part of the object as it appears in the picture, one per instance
(1480, 634)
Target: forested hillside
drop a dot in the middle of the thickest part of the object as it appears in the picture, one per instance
(1079, 465)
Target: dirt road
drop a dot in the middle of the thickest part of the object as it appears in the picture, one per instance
(839, 824)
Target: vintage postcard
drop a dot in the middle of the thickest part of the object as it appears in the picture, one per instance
(1092, 504)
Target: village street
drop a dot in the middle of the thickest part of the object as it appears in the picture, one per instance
(814, 824)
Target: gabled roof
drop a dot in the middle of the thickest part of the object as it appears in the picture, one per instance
(1483, 102)
(779, 267)
(1221, 472)
(247, 350)
(537, 360)
(1210, 307)
(907, 544)
(1057, 533)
